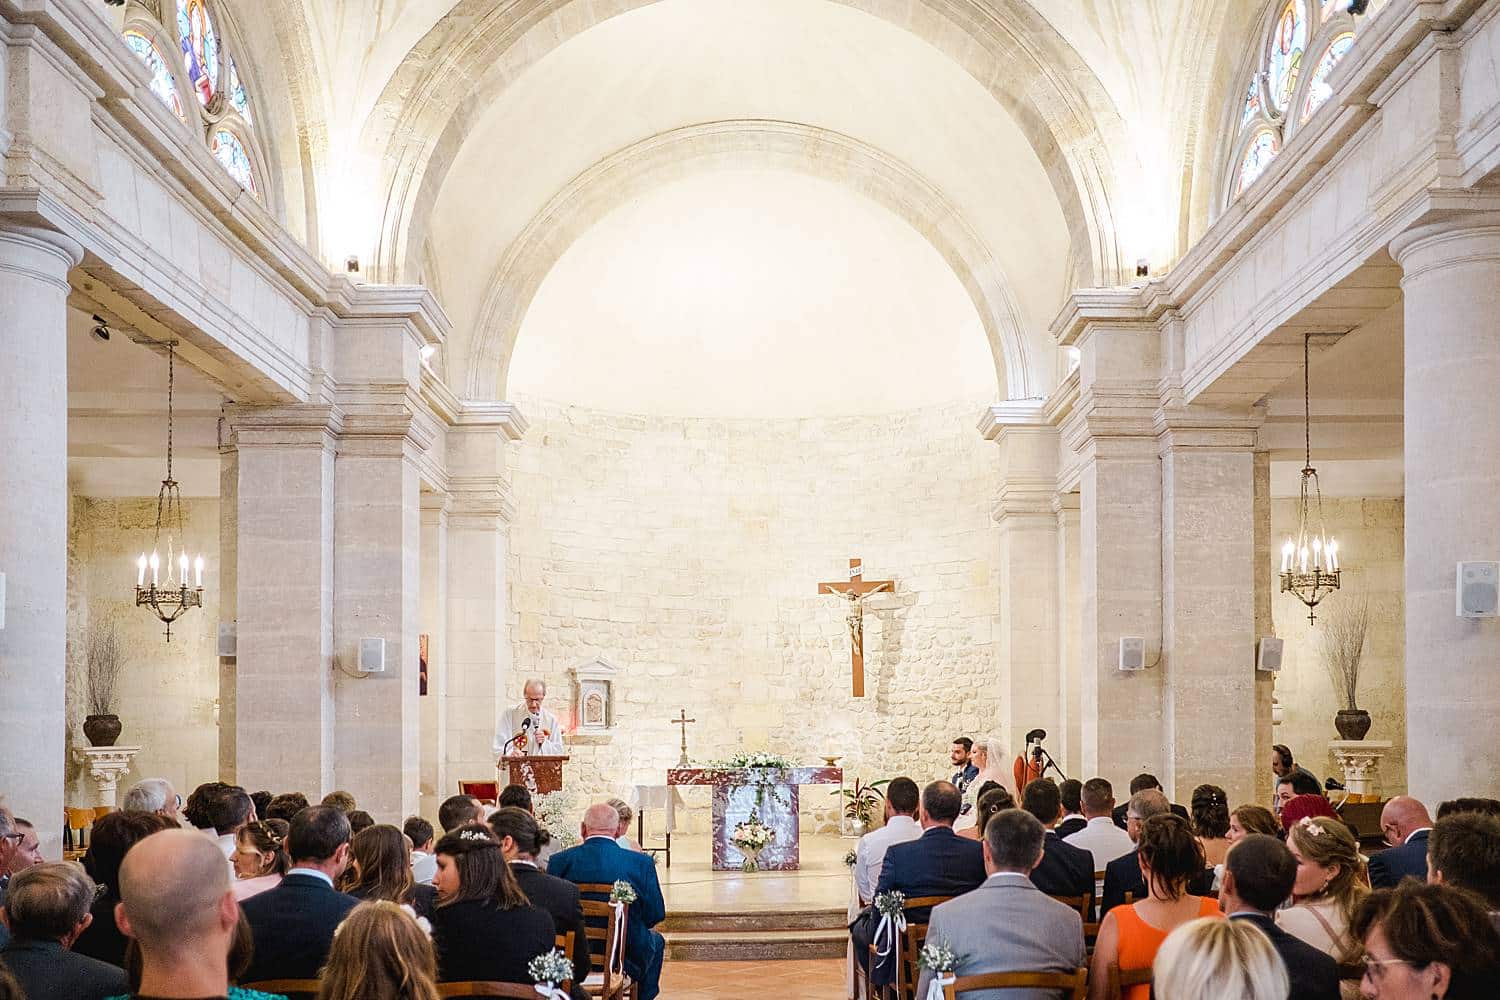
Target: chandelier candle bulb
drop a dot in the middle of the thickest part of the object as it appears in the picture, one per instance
(1286, 555)
(182, 563)
(155, 565)
(140, 571)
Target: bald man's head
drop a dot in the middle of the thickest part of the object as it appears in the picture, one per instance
(1403, 816)
(173, 888)
(601, 820)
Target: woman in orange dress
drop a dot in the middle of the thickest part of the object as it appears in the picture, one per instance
(1170, 858)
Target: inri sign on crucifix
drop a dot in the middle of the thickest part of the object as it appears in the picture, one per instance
(855, 591)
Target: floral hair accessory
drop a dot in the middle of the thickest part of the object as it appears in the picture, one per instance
(476, 835)
(1316, 829)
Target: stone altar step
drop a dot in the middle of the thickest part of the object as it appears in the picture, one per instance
(753, 936)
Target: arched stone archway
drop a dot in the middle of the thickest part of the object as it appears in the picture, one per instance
(784, 145)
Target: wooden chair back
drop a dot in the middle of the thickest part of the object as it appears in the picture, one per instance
(564, 943)
(604, 929)
(1075, 982)
(292, 989)
(909, 945)
(1121, 980)
(487, 988)
(79, 819)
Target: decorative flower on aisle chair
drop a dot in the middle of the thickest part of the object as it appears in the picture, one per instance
(751, 836)
(551, 969)
(851, 858)
(623, 892)
(891, 906)
(940, 960)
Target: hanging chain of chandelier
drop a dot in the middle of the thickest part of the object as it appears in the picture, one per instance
(161, 580)
(1309, 562)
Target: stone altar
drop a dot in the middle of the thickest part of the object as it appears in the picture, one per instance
(771, 793)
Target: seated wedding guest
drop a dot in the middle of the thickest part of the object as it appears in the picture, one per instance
(1123, 875)
(938, 863)
(992, 801)
(262, 802)
(293, 923)
(1100, 837)
(520, 797)
(1249, 819)
(1259, 874)
(483, 926)
(600, 860)
(459, 810)
(1209, 812)
(1463, 850)
(423, 861)
(109, 840)
(1170, 859)
(340, 800)
(627, 815)
(1283, 766)
(228, 811)
(1142, 782)
(1073, 818)
(1405, 825)
(46, 908)
(1489, 807)
(285, 806)
(1007, 924)
(241, 946)
(152, 795)
(177, 906)
(1065, 870)
(380, 868)
(521, 839)
(1427, 941)
(900, 826)
(359, 820)
(1222, 959)
(1292, 785)
(379, 953)
(260, 858)
(195, 809)
(1328, 886)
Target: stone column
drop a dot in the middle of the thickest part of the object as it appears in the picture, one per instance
(1208, 603)
(283, 683)
(1451, 287)
(1069, 635)
(34, 523)
(106, 766)
(1265, 625)
(433, 710)
(479, 649)
(1026, 571)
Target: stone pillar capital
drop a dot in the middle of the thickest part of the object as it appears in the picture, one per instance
(479, 501)
(1214, 430)
(1461, 239)
(43, 254)
(106, 765)
(290, 426)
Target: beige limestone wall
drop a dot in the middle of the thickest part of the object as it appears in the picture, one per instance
(687, 553)
(167, 694)
(1370, 537)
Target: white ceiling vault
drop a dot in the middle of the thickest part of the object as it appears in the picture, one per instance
(1025, 145)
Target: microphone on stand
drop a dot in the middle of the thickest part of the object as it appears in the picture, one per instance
(525, 743)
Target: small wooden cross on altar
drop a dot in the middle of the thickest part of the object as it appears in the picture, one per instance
(682, 720)
(855, 592)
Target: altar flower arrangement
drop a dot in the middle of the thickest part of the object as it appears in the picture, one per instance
(557, 813)
(759, 758)
(940, 960)
(623, 892)
(751, 836)
(550, 969)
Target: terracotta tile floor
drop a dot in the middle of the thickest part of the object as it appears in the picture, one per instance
(819, 980)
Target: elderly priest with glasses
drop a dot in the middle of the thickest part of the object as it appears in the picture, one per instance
(529, 728)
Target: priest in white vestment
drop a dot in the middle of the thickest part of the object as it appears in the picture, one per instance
(529, 728)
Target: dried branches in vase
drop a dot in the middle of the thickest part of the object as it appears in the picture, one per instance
(104, 661)
(1343, 641)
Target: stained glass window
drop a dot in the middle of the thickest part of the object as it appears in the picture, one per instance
(1287, 43)
(200, 47)
(1262, 150)
(1252, 104)
(1318, 89)
(237, 95)
(231, 154)
(163, 84)
(1330, 7)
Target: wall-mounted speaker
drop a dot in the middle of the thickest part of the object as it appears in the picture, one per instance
(1132, 652)
(371, 655)
(1268, 654)
(1477, 594)
(229, 638)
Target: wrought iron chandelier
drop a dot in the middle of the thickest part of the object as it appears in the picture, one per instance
(1310, 562)
(170, 597)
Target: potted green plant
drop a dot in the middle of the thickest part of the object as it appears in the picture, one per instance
(1343, 642)
(861, 802)
(104, 659)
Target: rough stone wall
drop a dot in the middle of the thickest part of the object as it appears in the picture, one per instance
(687, 553)
(1371, 545)
(167, 692)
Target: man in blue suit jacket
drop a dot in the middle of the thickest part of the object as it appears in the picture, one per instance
(938, 863)
(600, 859)
(1405, 824)
(293, 924)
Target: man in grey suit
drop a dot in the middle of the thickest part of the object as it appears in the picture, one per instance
(1008, 924)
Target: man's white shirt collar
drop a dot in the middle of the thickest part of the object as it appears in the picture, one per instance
(314, 873)
(1008, 875)
(1425, 829)
(1103, 820)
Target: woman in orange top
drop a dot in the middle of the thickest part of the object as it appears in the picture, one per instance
(1170, 858)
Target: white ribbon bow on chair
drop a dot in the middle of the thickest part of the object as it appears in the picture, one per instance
(551, 991)
(937, 982)
(892, 927)
(616, 958)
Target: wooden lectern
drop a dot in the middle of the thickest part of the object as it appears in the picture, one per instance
(540, 773)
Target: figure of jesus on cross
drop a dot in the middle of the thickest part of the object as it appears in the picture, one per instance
(855, 591)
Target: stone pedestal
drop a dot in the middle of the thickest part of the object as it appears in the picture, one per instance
(106, 766)
(1359, 760)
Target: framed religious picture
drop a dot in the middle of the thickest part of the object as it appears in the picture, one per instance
(421, 664)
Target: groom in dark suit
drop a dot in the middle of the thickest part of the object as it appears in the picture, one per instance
(600, 859)
(1258, 876)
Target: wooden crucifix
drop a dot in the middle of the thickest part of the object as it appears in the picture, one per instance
(682, 720)
(854, 592)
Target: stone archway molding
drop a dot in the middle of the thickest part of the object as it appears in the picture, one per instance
(669, 156)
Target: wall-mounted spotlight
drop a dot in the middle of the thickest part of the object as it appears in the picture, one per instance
(1143, 268)
(351, 264)
(101, 330)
